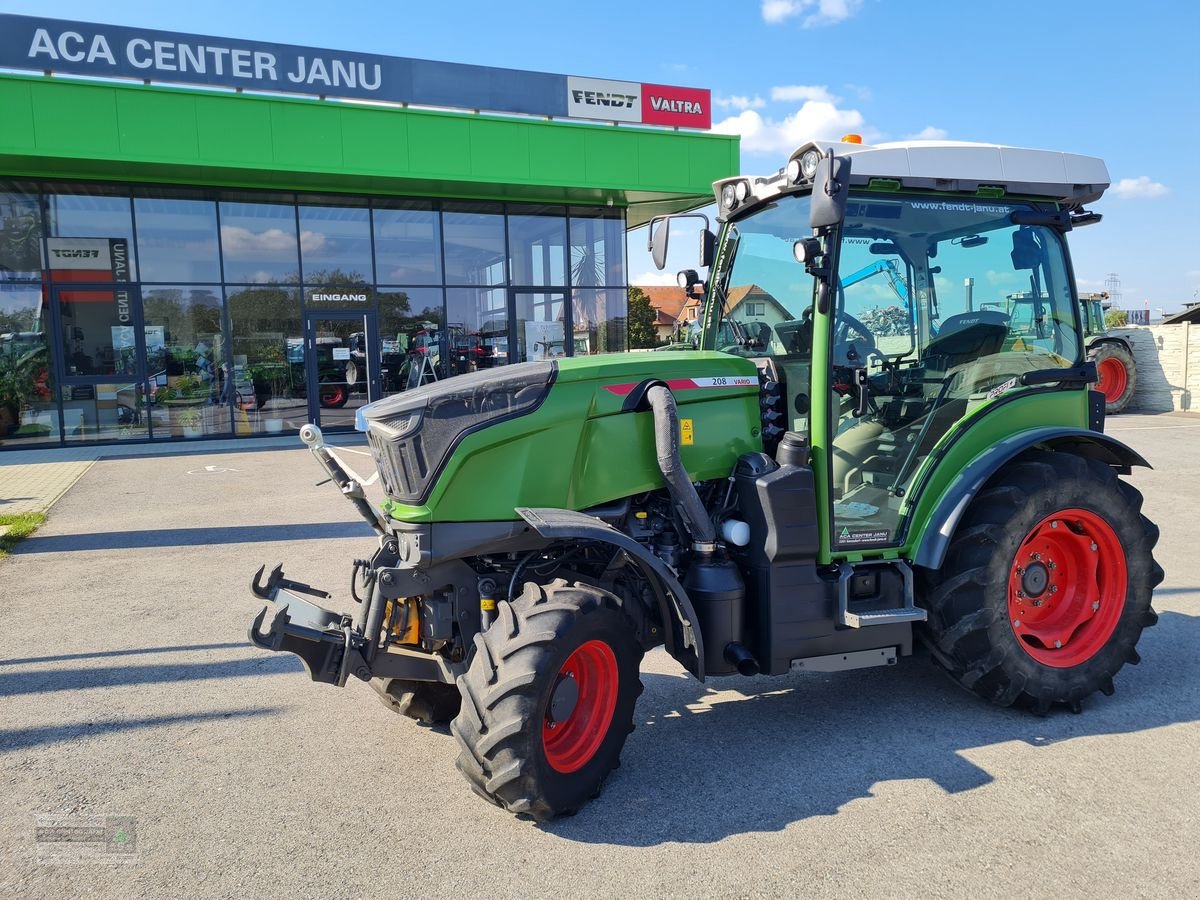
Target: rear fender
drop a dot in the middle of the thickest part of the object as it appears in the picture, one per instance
(931, 552)
(681, 629)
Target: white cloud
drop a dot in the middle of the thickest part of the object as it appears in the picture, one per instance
(1139, 188)
(815, 12)
(815, 120)
(242, 243)
(929, 133)
(738, 101)
(790, 93)
(653, 279)
(862, 92)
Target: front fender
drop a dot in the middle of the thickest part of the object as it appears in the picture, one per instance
(931, 552)
(681, 630)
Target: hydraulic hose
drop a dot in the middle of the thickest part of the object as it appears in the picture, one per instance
(679, 483)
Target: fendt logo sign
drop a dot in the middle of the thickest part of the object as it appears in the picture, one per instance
(642, 104)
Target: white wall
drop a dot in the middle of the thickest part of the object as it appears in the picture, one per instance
(1168, 367)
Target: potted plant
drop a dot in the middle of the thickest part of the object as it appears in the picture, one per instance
(272, 378)
(23, 373)
(185, 398)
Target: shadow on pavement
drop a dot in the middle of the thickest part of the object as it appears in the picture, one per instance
(136, 651)
(23, 738)
(46, 681)
(192, 537)
(748, 755)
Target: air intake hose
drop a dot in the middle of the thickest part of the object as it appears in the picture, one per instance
(679, 483)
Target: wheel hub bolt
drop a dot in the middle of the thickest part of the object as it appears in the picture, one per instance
(1020, 593)
(1054, 524)
(1058, 645)
(1054, 588)
(1035, 555)
(1095, 605)
(1038, 602)
(1020, 570)
(1050, 564)
(1095, 547)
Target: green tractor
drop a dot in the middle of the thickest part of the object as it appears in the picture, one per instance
(1116, 371)
(845, 468)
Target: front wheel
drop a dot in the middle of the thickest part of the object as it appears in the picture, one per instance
(1046, 586)
(548, 699)
(1116, 375)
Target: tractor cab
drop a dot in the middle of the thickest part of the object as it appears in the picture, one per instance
(879, 334)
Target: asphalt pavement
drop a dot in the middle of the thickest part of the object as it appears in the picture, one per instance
(128, 689)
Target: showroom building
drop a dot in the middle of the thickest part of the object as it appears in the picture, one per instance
(251, 236)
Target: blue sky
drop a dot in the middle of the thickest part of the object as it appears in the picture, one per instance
(1118, 80)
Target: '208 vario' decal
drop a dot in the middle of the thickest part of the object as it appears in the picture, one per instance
(688, 384)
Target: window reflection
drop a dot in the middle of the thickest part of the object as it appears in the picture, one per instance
(597, 248)
(20, 235)
(411, 338)
(537, 244)
(267, 381)
(476, 329)
(92, 213)
(407, 244)
(473, 244)
(600, 320)
(335, 244)
(258, 243)
(27, 409)
(185, 361)
(177, 239)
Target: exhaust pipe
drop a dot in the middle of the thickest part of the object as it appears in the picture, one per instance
(741, 659)
(679, 483)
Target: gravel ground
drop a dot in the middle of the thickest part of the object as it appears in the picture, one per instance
(128, 688)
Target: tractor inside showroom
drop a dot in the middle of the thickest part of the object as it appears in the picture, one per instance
(845, 466)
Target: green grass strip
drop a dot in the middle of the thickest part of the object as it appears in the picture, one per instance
(20, 526)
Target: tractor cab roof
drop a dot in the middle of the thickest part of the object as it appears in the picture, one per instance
(990, 170)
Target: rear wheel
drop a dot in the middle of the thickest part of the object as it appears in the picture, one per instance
(1116, 375)
(548, 699)
(333, 394)
(1047, 584)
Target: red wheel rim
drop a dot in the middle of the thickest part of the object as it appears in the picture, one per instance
(1111, 379)
(333, 396)
(572, 742)
(1066, 588)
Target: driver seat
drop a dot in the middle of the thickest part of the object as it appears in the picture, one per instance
(966, 337)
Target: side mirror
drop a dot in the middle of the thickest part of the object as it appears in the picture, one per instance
(831, 185)
(708, 244)
(1026, 253)
(657, 241)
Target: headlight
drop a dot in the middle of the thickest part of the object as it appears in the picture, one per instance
(793, 171)
(729, 196)
(808, 163)
(742, 191)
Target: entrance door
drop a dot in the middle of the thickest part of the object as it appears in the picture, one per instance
(103, 357)
(341, 367)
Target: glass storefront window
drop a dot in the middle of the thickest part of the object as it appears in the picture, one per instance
(541, 330)
(267, 341)
(20, 233)
(411, 339)
(597, 248)
(97, 331)
(258, 242)
(27, 410)
(335, 244)
(190, 388)
(102, 214)
(473, 243)
(476, 329)
(177, 239)
(600, 320)
(408, 244)
(537, 246)
(105, 412)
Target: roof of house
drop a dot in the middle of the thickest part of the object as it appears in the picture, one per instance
(1190, 313)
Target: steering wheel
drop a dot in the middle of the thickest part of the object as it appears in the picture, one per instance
(844, 330)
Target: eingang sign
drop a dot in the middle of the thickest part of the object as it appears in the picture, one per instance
(81, 48)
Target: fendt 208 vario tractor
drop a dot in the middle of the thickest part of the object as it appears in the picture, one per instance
(843, 465)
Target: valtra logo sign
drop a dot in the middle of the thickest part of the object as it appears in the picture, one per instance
(640, 104)
(684, 107)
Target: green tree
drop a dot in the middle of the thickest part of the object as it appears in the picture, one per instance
(641, 320)
(1116, 318)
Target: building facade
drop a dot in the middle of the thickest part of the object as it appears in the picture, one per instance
(180, 263)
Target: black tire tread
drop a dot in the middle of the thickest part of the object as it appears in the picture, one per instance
(497, 694)
(957, 595)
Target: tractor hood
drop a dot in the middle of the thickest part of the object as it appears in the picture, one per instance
(566, 433)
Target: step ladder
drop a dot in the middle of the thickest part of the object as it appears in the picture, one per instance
(864, 612)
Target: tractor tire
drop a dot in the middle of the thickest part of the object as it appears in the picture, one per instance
(333, 394)
(1046, 585)
(547, 701)
(429, 702)
(1117, 375)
